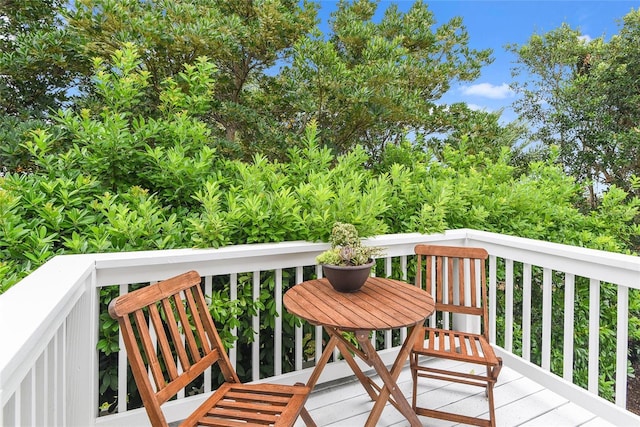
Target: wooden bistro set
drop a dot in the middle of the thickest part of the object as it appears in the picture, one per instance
(449, 280)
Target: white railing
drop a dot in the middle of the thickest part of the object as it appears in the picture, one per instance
(49, 321)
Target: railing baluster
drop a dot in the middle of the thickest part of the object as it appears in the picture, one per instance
(28, 413)
(17, 398)
(372, 339)
(8, 412)
(388, 341)
(526, 312)
(122, 365)
(403, 268)
(233, 351)
(255, 323)
(569, 326)
(41, 392)
(318, 338)
(508, 310)
(298, 330)
(54, 384)
(594, 334)
(277, 350)
(62, 375)
(493, 298)
(622, 345)
(546, 317)
(208, 290)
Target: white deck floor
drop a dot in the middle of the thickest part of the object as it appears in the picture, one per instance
(519, 402)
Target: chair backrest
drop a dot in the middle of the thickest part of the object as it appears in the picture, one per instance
(455, 277)
(170, 339)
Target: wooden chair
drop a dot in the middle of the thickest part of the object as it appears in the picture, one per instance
(455, 277)
(186, 336)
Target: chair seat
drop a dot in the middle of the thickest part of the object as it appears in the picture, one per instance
(250, 405)
(456, 345)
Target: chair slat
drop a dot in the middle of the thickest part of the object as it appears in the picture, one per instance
(202, 338)
(463, 345)
(172, 324)
(462, 294)
(473, 281)
(149, 348)
(191, 344)
(448, 277)
(163, 342)
(247, 415)
(439, 279)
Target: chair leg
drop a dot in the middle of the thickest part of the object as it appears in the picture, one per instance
(492, 372)
(414, 375)
(308, 421)
(492, 412)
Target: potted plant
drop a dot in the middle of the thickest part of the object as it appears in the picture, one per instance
(348, 263)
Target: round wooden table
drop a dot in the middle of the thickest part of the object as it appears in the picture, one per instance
(381, 304)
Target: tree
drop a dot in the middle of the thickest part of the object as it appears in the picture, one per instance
(583, 97)
(242, 39)
(476, 131)
(372, 83)
(35, 58)
(37, 69)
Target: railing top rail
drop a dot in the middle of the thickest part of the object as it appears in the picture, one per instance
(133, 267)
(156, 257)
(621, 269)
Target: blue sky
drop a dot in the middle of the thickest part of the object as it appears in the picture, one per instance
(493, 24)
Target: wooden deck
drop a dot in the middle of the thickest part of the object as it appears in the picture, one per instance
(519, 402)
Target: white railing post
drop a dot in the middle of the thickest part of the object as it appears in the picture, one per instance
(81, 360)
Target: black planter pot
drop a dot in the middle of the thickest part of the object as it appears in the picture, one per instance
(347, 278)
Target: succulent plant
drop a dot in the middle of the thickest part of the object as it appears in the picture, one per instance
(346, 247)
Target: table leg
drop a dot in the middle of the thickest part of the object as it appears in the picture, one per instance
(326, 355)
(389, 378)
(346, 348)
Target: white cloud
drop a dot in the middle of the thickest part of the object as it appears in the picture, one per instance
(487, 90)
(585, 38)
(476, 107)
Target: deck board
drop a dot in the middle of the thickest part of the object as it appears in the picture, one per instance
(519, 402)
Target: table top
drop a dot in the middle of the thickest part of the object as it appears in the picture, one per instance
(379, 305)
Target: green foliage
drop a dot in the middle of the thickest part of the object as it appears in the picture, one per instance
(242, 40)
(371, 83)
(37, 58)
(166, 155)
